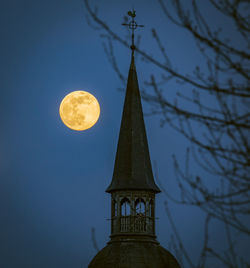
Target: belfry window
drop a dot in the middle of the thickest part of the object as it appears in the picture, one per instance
(151, 209)
(140, 206)
(114, 207)
(125, 207)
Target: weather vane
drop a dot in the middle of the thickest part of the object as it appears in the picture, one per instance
(132, 25)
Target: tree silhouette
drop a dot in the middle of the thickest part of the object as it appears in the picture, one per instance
(221, 146)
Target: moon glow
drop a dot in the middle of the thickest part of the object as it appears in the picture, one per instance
(79, 110)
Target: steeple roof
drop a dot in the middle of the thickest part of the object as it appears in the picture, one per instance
(133, 170)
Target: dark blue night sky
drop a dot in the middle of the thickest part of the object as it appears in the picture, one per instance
(53, 179)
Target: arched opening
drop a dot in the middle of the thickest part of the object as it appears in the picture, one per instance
(151, 208)
(114, 208)
(140, 206)
(125, 207)
(140, 218)
(125, 223)
(151, 215)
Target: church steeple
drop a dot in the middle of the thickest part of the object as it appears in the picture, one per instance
(132, 164)
(132, 188)
(133, 241)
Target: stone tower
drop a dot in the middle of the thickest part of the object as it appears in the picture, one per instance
(133, 241)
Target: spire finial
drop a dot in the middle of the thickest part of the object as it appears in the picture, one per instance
(132, 25)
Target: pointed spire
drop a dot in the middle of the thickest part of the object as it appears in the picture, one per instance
(133, 168)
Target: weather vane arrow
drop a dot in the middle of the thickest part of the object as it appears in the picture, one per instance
(132, 25)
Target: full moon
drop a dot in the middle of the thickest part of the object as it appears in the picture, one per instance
(79, 110)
